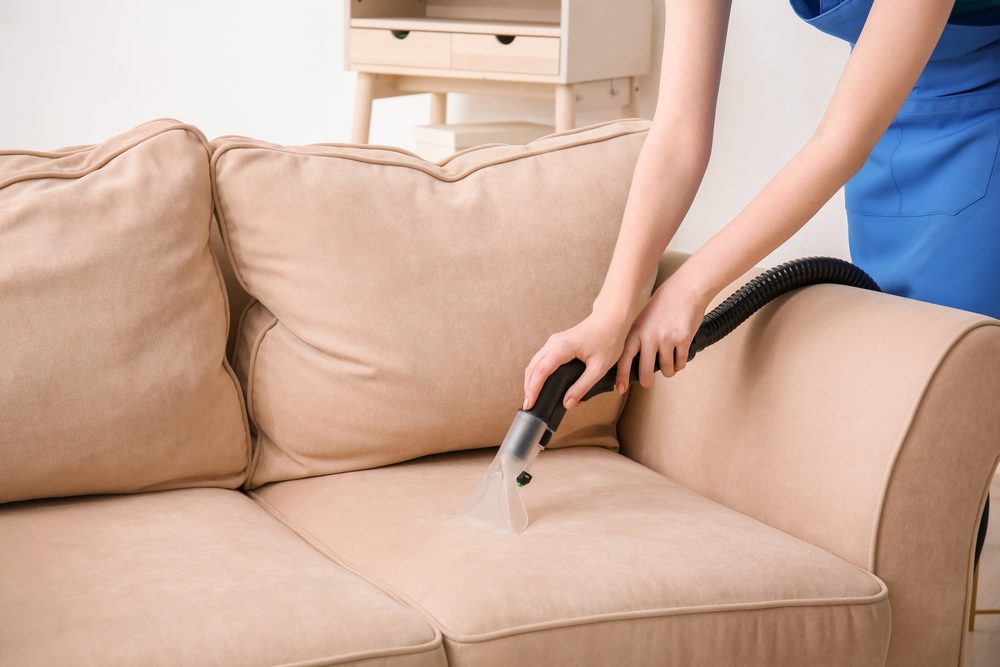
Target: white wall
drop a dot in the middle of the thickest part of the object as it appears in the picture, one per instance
(75, 71)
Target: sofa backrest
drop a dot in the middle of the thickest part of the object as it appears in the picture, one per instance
(113, 321)
(400, 300)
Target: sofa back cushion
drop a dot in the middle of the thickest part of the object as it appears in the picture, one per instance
(399, 300)
(113, 321)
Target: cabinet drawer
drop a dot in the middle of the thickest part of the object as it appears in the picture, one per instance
(492, 53)
(412, 48)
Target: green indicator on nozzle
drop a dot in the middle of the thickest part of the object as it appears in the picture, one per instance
(523, 479)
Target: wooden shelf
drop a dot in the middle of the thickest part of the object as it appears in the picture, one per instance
(576, 54)
(459, 25)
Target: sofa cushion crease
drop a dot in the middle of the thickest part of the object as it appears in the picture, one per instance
(195, 576)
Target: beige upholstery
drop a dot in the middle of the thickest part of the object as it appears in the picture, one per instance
(402, 297)
(113, 321)
(864, 423)
(189, 577)
(619, 566)
(839, 440)
(239, 300)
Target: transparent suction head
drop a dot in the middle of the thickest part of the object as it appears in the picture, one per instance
(496, 503)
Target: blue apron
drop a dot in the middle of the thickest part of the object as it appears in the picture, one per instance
(924, 211)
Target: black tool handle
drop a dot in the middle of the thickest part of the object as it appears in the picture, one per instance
(723, 319)
(607, 382)
(549, 405)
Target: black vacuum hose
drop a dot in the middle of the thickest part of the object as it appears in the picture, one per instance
(718, 324)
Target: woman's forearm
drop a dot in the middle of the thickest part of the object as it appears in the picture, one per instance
(783, 207)
(669, 170)
(673, 160)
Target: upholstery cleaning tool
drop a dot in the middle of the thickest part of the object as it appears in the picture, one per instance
(496, 502)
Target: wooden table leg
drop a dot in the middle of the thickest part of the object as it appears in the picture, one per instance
(565, 107)
(439, 108)
(631, 110)
(363, 97)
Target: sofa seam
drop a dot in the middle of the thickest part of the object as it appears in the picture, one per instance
(239, 329)
(335, 558)
(246, 143)
(374, 654)
(251, 373)
(655, 614)
(423, 167)
(907, 429)
(65, 151)
(443, 161)
(667, 613)
(223, 224)
(226, 366)
(881, 595)
(51, 155)
(904, 437)
(117, 152)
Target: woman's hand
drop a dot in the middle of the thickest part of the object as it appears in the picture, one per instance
(664, 328)
(597, 341)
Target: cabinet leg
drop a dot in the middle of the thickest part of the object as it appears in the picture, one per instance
(565, 107)
(363, 96)
(439, 108)
(631, 110)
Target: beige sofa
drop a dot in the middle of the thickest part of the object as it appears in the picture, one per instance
(806, 493)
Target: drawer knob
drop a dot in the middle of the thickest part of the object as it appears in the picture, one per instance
(400, 34)
(505, 39)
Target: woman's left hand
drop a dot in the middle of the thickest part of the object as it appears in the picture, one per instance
(664, 328)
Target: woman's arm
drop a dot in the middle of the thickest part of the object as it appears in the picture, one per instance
(667, 175)
(891, 52)
(674, 158)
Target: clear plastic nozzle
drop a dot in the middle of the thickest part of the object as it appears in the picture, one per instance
(496, 502)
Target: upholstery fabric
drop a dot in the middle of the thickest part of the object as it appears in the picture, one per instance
(618, 566)
(187, 577)
(864, 423)
(113, 321)
(239, 300)
(407, 296)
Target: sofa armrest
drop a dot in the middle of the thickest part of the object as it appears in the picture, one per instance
(864, 423)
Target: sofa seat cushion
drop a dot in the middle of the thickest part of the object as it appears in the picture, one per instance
(619, 565)
(187, 577)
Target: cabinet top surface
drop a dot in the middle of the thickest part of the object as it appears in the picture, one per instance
(460, 25)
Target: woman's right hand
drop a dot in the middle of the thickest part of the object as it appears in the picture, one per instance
(597, 340)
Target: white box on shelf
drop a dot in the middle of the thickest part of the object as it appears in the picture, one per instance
(437, 141)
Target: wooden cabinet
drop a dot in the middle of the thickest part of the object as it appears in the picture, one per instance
(581, 54)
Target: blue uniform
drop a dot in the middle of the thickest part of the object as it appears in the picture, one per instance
(924, 211)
